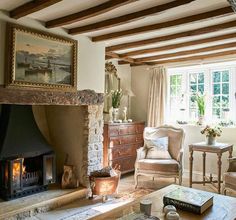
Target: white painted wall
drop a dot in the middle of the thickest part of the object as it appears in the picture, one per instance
(140, 79)
(91, 56)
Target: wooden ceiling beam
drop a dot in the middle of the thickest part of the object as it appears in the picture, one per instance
(31, 7)
(186, 52)
(191, 33)
(194, 58)
(180, 45)
(127, 18)
(87, 13)
(116, 56)
(167, 24)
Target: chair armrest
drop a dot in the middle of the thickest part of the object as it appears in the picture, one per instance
(180, 156)
(141, 153)
(232, 164)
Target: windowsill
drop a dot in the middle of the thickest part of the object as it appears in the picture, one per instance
(197, 126)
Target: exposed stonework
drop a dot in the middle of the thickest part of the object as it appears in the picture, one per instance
(93, 144)
(38, 97)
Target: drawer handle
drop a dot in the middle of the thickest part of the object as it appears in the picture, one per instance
(119, 152)
(119, 141)
(136, 139)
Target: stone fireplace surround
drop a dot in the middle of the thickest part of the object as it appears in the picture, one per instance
(72, 122)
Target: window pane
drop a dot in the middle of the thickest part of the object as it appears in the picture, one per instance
(225, 88)
(172, 90)
(178, 90)
(216, 101)
(216, 112)
(216, 89)
(200, 78)
(193, 78)
(216, 77)
(201, 88)
(225, 76)
(225, 101)
(173, 80)
(179, 79)
(193, 88)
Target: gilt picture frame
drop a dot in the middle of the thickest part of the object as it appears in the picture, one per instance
(40, 60)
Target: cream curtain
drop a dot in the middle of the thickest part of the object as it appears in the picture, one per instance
(157, 97)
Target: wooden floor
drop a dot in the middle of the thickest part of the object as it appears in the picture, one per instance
(127, 184)
(84, 208)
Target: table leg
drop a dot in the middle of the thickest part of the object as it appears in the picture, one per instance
(231, 152)
(204, 167)
(190, 168)
(219, 170)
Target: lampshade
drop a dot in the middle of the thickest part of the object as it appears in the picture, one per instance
(128, 92)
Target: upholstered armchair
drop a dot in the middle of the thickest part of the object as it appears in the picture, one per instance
(230, 176)
(164, 163)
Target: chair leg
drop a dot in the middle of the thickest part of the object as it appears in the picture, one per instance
(180, 178)
(135, 180)
(223, 189)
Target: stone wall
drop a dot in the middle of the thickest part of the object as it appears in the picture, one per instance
(93, 144)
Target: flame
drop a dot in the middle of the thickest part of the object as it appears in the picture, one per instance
(16, 169)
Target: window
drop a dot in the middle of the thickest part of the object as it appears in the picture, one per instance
(216, 83)
(175, 93)
(196, 85)
(220, 92)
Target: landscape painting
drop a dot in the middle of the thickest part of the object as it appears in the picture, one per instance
(42, 60)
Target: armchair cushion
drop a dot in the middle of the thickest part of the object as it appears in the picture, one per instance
(157, 148)
(161, 165)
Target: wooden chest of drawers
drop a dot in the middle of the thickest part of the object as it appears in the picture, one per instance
(120, 144)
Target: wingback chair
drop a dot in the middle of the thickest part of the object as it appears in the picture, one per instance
(230, 176)
(156, 166)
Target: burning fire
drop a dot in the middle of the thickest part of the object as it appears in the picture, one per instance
(17, 168)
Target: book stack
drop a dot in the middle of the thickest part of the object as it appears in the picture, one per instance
(189, 200)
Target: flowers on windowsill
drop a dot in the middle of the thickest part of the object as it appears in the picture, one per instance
(116, 98)
(211, 131)
(200, 100)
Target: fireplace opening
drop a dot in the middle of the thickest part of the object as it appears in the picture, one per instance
(25, 176)
(27, 161)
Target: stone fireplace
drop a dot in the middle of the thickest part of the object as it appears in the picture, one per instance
(72, 123)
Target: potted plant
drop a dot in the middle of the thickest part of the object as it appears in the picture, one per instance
(115, 102)
(200, 100)
(211, 134)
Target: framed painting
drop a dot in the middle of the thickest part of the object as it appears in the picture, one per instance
(40, 60)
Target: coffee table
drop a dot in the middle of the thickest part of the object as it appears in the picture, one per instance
(223, 207)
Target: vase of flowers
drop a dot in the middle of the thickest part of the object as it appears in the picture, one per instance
(200, 100)
(115, 101)
(211, 134)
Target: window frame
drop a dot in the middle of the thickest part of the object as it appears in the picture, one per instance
(208, 88)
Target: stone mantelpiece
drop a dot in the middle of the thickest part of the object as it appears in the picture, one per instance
(38, 97)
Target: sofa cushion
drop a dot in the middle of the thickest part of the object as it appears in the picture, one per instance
(157, 148)
(230, 178)
(161, 165)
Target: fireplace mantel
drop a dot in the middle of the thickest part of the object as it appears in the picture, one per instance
(37, 97)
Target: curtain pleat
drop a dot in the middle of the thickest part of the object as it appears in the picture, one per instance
(157, 97)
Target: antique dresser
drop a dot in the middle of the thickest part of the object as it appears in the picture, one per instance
(121, 140)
